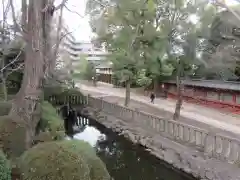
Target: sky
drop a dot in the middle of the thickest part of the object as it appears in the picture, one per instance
(80, 25)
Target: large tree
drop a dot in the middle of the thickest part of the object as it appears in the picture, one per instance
(121, 29)
(222, 52)
(35, 26)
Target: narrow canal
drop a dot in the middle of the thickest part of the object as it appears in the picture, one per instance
(125, 160)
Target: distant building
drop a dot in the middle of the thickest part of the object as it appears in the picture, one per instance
(76, 50)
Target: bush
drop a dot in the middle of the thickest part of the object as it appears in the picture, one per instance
(5, 168)
(12, 136)
(5, 108)
(62, 160)
(50, 120)
(48, 136)
(97, 168)
(52, 160)
(51, 124)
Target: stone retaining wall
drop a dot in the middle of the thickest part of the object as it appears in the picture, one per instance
(213, 145)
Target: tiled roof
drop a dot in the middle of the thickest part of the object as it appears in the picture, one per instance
(228, 85)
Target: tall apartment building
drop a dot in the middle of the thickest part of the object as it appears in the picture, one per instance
(76, 50)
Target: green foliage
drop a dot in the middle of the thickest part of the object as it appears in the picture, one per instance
(5, 168)
(142, 79)
(50, 119)
(12, 136)
(97, 168)
(89, 72)
(61, 160)
(51, 124)
(52, 90)
(222, 49)
(147, 34)
(61, 93)
(84, 70)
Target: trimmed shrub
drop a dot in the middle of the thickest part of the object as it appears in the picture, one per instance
(12, 137)
(62, 160)
(50, 120)
(98, 170)
(5, 108)
(48, 136)
(53, 161)
(5, 168)
(51, 124)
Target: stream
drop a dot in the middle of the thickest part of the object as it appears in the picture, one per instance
(125, 160)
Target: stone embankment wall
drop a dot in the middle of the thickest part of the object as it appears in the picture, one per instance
(203, 154)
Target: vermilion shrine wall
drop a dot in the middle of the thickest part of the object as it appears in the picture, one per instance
(217, 98)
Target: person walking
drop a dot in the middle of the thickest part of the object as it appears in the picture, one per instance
(152, 97)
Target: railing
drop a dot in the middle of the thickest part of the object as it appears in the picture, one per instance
(73, 100)
(213, 145)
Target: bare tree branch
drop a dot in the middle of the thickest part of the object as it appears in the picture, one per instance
(20, 67)
(17, 27)
(61, 5)
(12, 62)
(73, 11)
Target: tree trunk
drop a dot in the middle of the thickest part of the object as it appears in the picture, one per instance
(179, 102)
(128, 92)
(26, 106)
(155, 86)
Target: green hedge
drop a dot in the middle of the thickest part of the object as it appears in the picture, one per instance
(97, 168)
(5, 168)
(51, 124)
(62, 160)
(50, 120)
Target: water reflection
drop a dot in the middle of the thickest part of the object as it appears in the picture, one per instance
(91, 135)
(123, 159)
